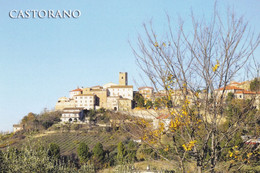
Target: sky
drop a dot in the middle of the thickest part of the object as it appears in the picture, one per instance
(43, 59)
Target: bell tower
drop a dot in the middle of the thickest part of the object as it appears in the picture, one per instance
(123, 78)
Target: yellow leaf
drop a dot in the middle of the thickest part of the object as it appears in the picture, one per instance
(215, 67)
(164, 45)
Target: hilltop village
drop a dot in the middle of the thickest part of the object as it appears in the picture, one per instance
(111, 96)
(120, 97)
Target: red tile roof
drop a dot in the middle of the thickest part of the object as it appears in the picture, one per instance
(98, 86)
(145, 87)
(163, 116)
(78, 89)
(246, 92)
(235, 83)
(230, 88)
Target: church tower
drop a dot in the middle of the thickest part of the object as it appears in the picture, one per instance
(123, 78)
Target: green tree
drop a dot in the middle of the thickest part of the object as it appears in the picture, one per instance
(149, 104)
(121, 153)
(54, 150)
(255, 85)
(131, 152)
(91, 114)
(83, 152)
(139, 100)
(48, 118)
(207, 55)
(2, 164)
(98, 153)
(157, 103)
(230, 97)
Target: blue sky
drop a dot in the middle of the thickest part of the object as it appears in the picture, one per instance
(43, 59)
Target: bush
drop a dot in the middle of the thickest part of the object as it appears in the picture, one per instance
(75, 126)
(33, 157)
(83, 152)
(98, 155)
(54, 150)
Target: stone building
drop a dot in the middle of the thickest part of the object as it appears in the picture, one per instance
(64, 102)
(147, 92)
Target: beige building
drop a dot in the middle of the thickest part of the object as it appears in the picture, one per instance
(100, 93)
(239, 93)
(123, 78)
(112, 103)
(119, 97)
(227, 89)
(64, 102)
(124, 104)
(147, 92)
(17, 127)
(243, 85)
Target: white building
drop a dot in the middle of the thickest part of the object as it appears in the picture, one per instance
(18, 127)
(87, 101)
(70, 115)
(124, 91)
(75, 92)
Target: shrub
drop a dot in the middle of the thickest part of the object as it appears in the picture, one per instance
(83, 152)
(54, 150)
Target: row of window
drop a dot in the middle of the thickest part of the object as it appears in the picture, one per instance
(85, 105)
(116, 94)
(87, 97)
(121, 89)
(86, 101)
(70, 115)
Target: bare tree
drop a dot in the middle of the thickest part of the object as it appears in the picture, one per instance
(190, 66)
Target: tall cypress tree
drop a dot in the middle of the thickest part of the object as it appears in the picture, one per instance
(121, 152)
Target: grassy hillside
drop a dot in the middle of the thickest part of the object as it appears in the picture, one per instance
(69, 141)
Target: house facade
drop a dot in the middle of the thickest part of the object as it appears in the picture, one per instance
(147, 92)
(70, 115)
